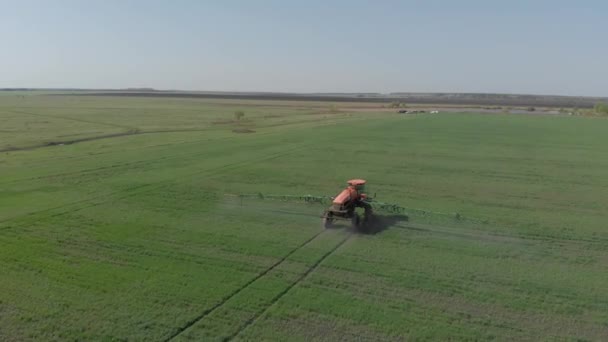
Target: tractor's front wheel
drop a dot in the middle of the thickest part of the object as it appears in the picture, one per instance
(327, 220)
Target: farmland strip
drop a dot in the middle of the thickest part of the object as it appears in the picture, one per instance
(68, 118)
(153, 186)
(240, 289)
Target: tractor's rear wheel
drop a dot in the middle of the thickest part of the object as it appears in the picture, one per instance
(366, 224)
(355, 221)
(368, 217)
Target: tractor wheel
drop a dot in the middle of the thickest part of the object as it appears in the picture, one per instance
(365, 224)
(355, 221)
(327, 220)
(368, 218)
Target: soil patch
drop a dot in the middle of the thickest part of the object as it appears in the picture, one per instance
(243, 130)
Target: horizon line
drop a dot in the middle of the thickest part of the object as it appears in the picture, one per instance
(151, 89)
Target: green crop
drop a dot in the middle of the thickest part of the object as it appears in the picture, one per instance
(115, 223)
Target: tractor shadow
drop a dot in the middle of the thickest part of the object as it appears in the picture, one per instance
(380, 223)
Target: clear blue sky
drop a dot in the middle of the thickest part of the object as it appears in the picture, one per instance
(542, 47)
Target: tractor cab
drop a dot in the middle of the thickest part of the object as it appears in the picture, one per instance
(348, 196)
(358, 184)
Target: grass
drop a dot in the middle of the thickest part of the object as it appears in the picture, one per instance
(135, 237)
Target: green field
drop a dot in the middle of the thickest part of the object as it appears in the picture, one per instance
(118, 221)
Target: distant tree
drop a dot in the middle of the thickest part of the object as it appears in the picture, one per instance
(397, 105)
(239, 114)
(601, 108)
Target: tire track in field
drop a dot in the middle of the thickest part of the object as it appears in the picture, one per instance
(126, 164)
(100, 137)
(153, 186)
(116, 165)
(131, 131)
(278, 297)
(225, 299)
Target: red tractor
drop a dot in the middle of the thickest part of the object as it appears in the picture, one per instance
(344, 205)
